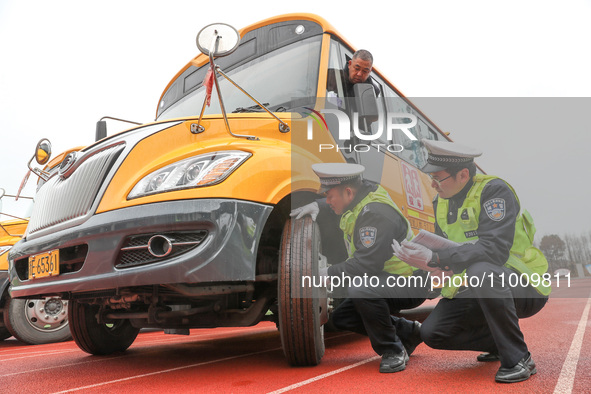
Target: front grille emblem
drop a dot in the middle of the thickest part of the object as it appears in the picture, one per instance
(67, 164)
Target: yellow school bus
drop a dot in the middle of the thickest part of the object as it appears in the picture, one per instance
(184, 222)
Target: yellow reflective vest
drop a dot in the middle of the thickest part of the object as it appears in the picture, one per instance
(524, 257)
(348, 219)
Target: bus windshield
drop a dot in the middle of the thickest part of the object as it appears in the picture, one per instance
(274, 79)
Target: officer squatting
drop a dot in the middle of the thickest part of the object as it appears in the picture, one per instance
(361, 148)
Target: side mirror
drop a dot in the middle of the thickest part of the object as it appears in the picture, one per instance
(366, 101)
(43, 151)
(42, 156)
(101, 130)
(218, 39)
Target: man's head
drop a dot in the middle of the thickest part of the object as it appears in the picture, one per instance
(340, 183)
(451, 181)
(450, 166)
(340, 197)
(360, 66)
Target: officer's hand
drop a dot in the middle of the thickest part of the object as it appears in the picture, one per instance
(413, 254)
(311, 209)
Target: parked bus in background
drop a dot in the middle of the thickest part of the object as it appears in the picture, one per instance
(32, 321)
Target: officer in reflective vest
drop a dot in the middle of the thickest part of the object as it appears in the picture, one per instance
(369, 219)
(498, 275)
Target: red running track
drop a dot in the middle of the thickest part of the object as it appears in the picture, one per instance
(250, 360)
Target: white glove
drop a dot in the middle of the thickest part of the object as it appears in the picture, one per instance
(311, 209)
(413, 254)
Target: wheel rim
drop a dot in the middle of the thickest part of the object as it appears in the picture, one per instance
(48, 314)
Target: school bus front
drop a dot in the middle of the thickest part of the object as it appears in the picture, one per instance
(184, 222)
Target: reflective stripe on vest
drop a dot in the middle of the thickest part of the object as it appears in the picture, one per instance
(524, 257)
(394, 265)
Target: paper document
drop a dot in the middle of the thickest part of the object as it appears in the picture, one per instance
(433, 241)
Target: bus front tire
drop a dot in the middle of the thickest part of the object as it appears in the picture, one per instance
(99, 338)
(302, 309)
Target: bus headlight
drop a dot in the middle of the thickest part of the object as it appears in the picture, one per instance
(203, 170)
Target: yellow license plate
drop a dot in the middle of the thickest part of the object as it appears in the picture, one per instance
(44, 264)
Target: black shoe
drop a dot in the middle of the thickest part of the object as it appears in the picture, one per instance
(488, 357)
(393, 362)
(520, 372)
(411, 342)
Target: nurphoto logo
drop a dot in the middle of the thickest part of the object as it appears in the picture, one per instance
(394, 121)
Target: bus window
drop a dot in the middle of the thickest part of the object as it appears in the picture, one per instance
(411, 151)
(425, 131)
(335, 84)
(380, 124)
(274, 77)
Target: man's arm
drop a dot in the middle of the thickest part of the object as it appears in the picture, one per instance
(375, 227)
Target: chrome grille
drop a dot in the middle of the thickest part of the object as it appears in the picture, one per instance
(62, 199)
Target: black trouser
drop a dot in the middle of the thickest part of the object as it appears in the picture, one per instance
(486, 317)
(368, 311)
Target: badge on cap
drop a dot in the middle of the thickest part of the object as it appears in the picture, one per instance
(495, 209)
(368, 235)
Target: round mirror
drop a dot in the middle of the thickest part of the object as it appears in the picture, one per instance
(43, 151)
(218, 38)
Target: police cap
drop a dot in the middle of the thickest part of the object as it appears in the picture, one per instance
(335, 174)
(444, 155)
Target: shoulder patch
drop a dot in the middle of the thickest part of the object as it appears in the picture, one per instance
(495, 209)
(368, 235)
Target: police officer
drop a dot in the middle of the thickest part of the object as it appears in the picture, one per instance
(369, 218)
(481, 310)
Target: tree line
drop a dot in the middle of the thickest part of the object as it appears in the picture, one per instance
(566, 251)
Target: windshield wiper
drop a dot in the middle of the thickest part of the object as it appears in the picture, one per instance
(253, 108)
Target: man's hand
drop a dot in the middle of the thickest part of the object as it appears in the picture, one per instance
(311, 209)
(413, 254)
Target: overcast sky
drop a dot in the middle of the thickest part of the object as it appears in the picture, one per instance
(65, 64)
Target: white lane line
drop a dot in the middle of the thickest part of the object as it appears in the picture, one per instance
(59, 366)
(28, 349)
(55, 353)
(138, 343)
(566, 379)
(163, 371)
(319, 377)
(166, 341)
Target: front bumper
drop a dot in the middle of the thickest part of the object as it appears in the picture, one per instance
(227, 253)
(3, 283)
